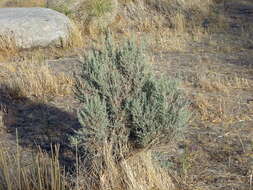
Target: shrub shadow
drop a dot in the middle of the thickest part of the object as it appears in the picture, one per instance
(38, 124)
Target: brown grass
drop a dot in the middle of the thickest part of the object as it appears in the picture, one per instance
(220, 109)
(212, 96)
(34, 79)
(8, 46)
(41, 172)
(75, 40)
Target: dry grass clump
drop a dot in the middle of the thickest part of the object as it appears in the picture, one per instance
(75, 39)
(135, 173)
(35, 80)
(214, 102)
(41, 172)
(8, 46)
(214, 82)
(211, 109)
(220, 109)
(210, 80)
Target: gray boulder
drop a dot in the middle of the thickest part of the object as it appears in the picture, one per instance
(34, 27)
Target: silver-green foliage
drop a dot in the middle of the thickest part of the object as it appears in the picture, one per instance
(124, 103)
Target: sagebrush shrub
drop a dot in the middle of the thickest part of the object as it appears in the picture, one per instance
(123, 103)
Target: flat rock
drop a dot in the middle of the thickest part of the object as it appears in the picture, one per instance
(33, 27)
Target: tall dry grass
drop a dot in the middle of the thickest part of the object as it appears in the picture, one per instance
(34, 79)
(8, 46)
(137, 172)
(39, 173)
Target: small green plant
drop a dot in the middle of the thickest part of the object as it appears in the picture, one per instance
(99, 7)
(124, 104)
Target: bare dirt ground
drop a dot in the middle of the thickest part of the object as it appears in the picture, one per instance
(216, 151)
